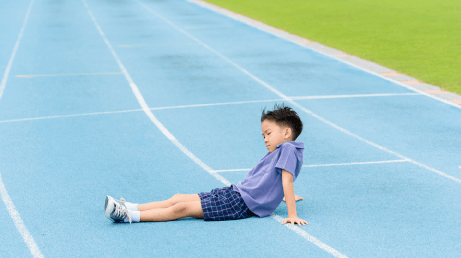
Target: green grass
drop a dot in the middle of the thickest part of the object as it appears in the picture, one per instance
(420, 38)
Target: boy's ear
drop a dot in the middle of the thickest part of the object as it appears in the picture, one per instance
(287, 133)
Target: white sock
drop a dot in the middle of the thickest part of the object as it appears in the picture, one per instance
(135, 216)
(131, 206)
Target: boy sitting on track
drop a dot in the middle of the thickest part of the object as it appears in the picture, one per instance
(259, 194)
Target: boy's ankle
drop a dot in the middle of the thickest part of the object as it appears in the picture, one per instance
(135, 216)
(131, 206)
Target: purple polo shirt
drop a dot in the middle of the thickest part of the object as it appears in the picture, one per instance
(262, 188)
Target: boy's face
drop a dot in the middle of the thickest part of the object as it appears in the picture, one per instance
(274, 134)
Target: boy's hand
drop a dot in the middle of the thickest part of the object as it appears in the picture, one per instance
(294, 220)
(297, 198)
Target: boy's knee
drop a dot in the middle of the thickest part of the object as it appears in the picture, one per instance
(180, 207)
(175, 196)
(174, 199)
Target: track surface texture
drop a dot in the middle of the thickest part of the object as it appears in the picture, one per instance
(147, 99)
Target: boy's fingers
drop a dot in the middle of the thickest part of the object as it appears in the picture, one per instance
(294, 222)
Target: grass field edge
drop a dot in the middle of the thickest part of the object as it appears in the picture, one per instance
(403, 80)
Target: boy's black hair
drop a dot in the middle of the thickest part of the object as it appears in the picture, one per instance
(283, 115)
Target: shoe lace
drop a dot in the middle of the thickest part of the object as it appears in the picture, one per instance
(121, 211)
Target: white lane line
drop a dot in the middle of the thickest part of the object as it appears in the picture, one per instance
(63, 74)
(20, 226)
(355, 96)
(158, 45)
(310, 238)
(63, 116)
(285, 35)
(133, 110)
(324, 165)
(218, 104)
(182, 148)
(283, 96)
(30, 242)
(376, 145)
(184, 106)
(356, 163)
(16, 46)
(147, 110)
(313, 240)
(232, 170)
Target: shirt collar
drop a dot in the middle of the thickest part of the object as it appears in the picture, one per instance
(298, 145)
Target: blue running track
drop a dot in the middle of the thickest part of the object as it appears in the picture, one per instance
(147, 99)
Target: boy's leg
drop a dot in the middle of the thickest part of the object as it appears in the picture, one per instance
(177, 198)
(177, 211)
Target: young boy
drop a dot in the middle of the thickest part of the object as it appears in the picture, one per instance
(262, 190)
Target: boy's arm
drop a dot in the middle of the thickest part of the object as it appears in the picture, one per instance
(297, 198)
(289, 191)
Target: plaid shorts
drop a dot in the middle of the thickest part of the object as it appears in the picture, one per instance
(223, 204)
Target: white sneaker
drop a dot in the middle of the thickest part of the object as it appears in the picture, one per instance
(121, 201)
(116, 210)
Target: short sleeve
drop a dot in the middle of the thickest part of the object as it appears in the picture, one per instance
(287, 159)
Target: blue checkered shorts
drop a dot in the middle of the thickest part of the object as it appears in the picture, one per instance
(223, 204)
